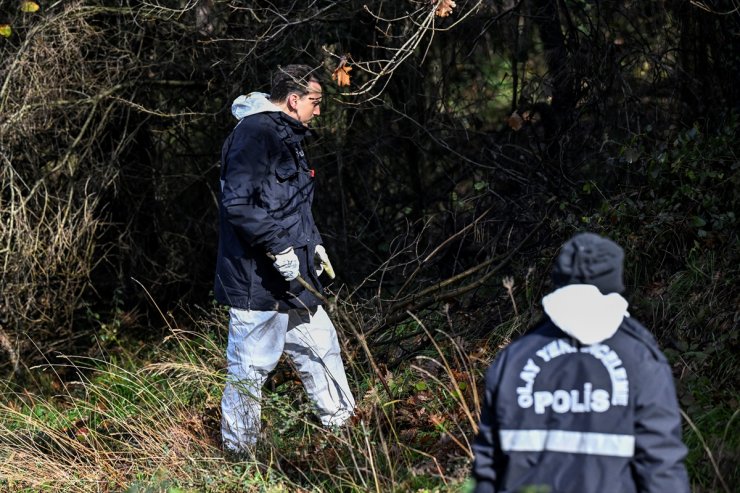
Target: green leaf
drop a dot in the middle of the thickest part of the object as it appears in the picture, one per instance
(29, 7)
(698, 222)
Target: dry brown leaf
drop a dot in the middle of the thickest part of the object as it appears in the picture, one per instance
(341, 73)
(444, 8)
(460, 376)
(515, 121)
(437, 420)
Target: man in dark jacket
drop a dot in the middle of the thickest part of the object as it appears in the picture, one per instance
(585, 402)
(267, 239)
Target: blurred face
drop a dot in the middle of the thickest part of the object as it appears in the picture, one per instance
(304, 108)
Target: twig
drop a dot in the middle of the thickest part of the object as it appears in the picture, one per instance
(421, 300)
(6, 346)
(439, 247)
(508, 283)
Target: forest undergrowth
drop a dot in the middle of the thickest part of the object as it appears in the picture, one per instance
(143, 415)
(469, 143)
(148, 421)
(140, 418)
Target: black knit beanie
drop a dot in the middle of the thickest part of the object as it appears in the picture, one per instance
(588, 258)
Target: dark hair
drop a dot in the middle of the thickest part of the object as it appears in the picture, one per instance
(290, 79)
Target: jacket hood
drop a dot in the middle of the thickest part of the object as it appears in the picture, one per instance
(252, 103)
(588, 258)
(582, 312)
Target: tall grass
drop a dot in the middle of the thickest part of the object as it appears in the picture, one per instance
(108, 428)
(150, 422)
(699, 314)
(47, 253)
(154, 426)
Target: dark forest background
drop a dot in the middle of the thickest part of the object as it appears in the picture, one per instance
(466, 149)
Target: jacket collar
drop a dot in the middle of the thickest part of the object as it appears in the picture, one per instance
(292, 128)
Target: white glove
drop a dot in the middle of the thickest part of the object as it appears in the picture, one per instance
(322, 259)
(287, 264)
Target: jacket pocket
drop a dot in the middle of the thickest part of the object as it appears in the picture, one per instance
(284, 188)
(286, 170)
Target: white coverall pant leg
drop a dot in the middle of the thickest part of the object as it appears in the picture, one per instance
(314, 348)
(256, 342)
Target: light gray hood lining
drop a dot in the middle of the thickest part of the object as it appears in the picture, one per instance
(252, 103)
(582, 312)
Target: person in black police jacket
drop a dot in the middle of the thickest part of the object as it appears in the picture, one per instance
(585, 402)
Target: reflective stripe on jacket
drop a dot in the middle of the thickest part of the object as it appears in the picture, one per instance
(571, 417)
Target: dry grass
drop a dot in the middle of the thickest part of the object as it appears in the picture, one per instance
(47, 251)
(103, 433)
(50, 171)
(116, 428)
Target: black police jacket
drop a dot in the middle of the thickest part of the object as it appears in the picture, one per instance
(267, 190)
(564, 417)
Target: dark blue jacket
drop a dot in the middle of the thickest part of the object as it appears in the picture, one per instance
(576, 418)
(266, 195)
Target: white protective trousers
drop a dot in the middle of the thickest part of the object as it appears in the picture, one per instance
(257, 339)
